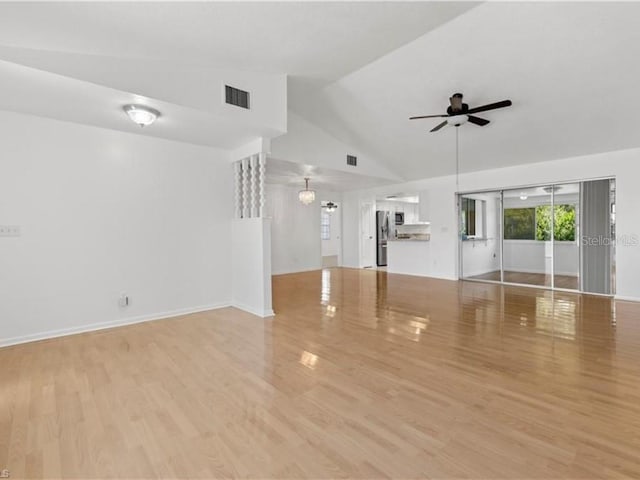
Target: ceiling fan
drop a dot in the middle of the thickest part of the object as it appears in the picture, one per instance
(459, 113)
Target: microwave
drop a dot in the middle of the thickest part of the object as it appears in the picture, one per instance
(399, 218)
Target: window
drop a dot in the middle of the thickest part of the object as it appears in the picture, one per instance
(534, 223)
(325, 226)
(473, 213)
(468, 217)
(520, 224)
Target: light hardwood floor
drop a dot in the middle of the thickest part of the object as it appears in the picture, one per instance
(361, 374)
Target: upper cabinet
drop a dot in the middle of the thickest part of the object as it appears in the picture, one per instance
(411, 213)
(410, 210)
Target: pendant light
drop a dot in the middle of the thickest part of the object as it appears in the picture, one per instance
(306, 196)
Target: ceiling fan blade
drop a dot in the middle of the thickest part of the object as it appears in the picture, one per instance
(491, 106)
(438, 127)
(477, 120)
(428, 116)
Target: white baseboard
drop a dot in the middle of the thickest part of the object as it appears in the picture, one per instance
(63, 332)
(625, 298)
(425, 275)
(253, 311)
(287, 272)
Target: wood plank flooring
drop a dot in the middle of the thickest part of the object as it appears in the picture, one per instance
(361, 374)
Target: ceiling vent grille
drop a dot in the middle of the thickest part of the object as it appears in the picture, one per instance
(351, 160)
(237, 97)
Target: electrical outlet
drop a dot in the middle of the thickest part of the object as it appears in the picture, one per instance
(124, 300)
(9, 230)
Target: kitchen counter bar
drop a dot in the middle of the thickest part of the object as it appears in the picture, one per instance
(408, 256)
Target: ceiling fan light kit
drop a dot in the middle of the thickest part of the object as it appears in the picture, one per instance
(458, 120)
(330, 207)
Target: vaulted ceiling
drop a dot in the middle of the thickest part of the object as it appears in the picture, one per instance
(356, 70)
(571, 70)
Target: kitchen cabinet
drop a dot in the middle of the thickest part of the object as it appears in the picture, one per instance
(411, 213)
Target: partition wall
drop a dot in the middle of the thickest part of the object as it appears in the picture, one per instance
(559, 236)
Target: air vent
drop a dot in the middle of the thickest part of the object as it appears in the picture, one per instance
(237, 97)
(351, 160)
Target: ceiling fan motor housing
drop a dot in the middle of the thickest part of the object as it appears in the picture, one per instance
(457, 107)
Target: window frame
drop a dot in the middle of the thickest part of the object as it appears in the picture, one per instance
(325, 226)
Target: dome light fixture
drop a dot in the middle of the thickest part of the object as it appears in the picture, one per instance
(457, 120)
(523, 196)
(141, 115)
(306, 196)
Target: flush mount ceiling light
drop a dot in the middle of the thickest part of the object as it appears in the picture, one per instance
(331, 207)
(141, 115)
(306, 196)
(523, 196)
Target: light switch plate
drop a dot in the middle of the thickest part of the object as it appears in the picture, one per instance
(9, 230)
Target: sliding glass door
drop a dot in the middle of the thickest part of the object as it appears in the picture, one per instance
(480, 236)
(552, 236)
(566, 236)
(527, 243)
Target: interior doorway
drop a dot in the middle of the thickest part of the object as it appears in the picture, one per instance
(331, 233)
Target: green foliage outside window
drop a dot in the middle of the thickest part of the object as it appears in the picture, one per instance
(519, 223)
(564, 223)
(535, 223)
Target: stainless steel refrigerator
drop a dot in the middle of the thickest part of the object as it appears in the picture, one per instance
(382, 236)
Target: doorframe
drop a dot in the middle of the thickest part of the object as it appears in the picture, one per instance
(335, 223)
(361, 243)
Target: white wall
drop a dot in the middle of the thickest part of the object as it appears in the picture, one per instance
(295, 231)
(296, 245)
(350, 229)
(251, 260)
(103, 212)
(624, 165)
(533, 256)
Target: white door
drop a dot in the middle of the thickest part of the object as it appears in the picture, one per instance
(367, 235)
